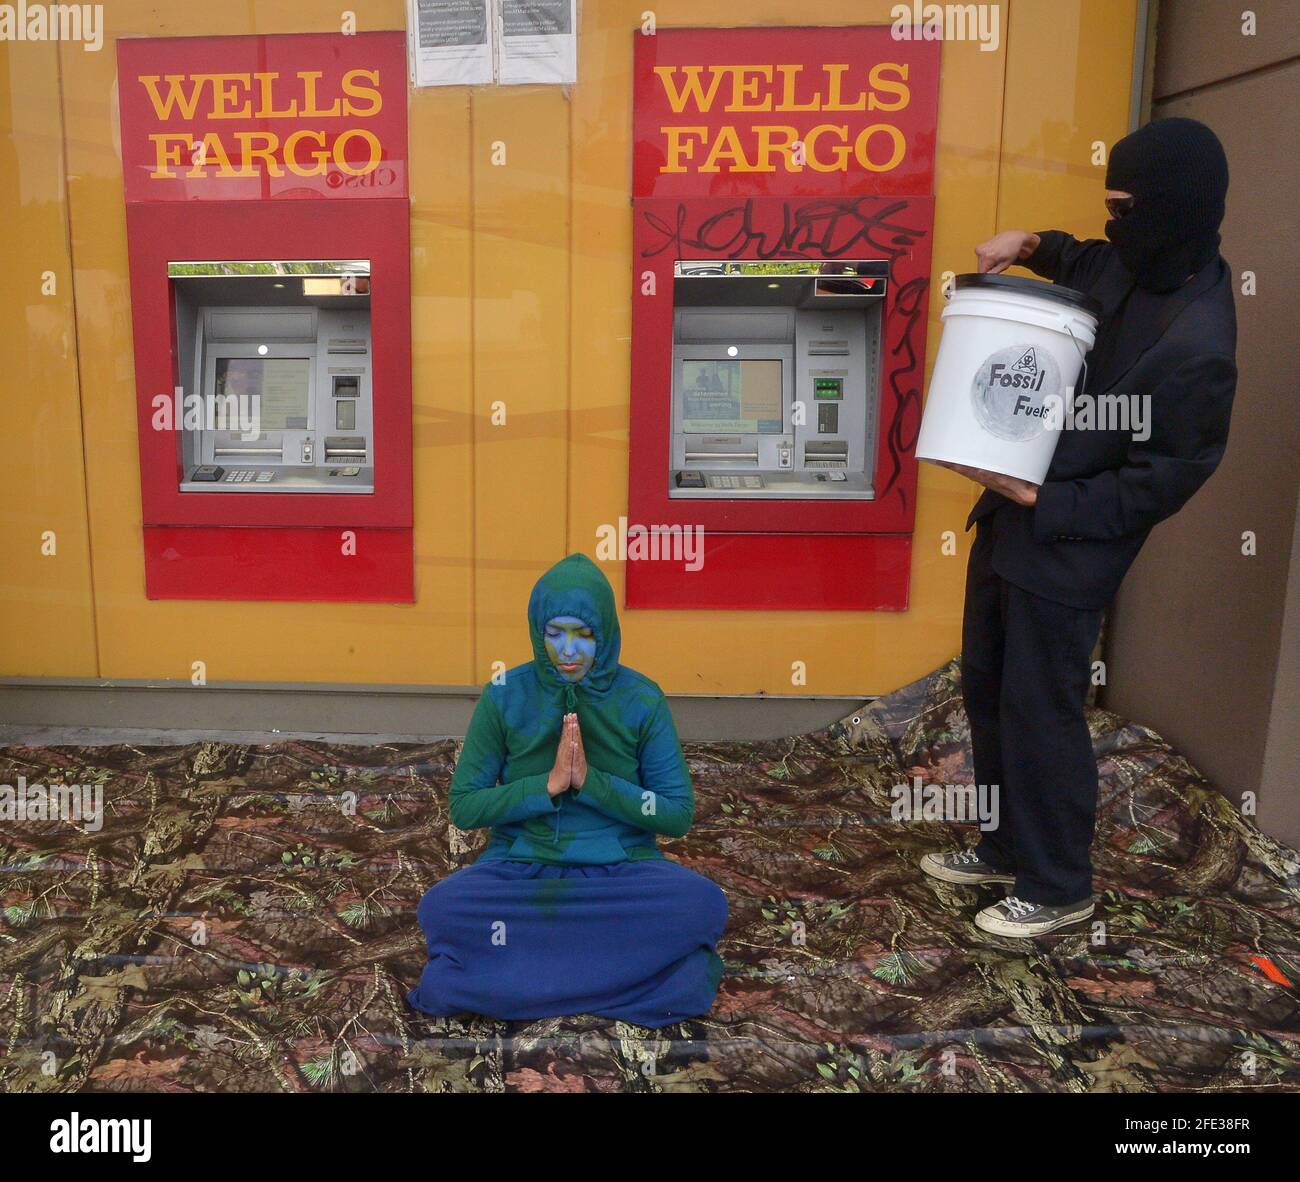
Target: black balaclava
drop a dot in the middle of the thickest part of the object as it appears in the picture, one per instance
(1178, 175)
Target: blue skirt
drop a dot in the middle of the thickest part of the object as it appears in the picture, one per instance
(526, 940)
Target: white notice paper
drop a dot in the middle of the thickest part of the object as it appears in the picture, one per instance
(450, 42)
(537, 41)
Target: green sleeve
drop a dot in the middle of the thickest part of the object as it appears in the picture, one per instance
(663, 802)
(478, 801)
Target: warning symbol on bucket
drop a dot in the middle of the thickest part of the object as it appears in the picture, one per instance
(1015, 391)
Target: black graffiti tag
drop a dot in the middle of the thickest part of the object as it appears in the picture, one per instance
(829, 228)
(910, 303)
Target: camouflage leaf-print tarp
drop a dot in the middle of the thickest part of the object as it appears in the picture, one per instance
(245, 920)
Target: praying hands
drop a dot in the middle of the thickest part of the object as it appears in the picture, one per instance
(570, 768)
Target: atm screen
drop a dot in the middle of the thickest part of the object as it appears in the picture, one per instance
(280, 385)
(742, 397)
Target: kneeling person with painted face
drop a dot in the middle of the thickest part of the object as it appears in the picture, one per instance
(575, 766)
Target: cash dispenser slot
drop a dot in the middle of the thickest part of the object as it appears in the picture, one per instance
(826, 455)
(341, 449)
(775, 379)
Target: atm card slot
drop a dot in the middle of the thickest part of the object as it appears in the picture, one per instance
(828, 348)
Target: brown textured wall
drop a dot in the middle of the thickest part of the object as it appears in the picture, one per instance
(1278, 809)
(1203, 640)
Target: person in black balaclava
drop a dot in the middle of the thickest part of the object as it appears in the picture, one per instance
(1170, 179)
(1165, 189)
(1146, 430)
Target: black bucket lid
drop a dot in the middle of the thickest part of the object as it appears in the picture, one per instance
(1033, 287)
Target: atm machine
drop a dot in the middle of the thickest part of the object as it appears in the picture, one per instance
(775, 404)
(775, 379)
(279, 354)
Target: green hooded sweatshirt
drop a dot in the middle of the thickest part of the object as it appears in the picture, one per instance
(637, 784)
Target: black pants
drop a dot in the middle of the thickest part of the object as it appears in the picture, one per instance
(1025, 674)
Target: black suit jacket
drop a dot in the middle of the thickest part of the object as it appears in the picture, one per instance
(1106, 489)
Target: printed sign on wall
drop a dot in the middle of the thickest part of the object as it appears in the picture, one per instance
(537, 41)
(451, 42)
(475, 42)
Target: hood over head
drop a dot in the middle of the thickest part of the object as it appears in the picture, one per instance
(1176, 170)
(575, 586)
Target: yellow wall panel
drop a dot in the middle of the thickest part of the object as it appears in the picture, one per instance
(519, 162)
(46, 607)
(442, 284)
(1059, 107)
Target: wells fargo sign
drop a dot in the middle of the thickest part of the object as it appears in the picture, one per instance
(822, 111)
(222, 118)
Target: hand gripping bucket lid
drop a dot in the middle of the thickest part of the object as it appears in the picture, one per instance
(1006, 373)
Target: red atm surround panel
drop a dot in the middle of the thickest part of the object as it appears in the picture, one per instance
(691, 204)
(262, 546)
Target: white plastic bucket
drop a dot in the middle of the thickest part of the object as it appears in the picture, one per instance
(1005, 375)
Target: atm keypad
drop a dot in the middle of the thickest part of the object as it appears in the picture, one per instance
(246, 476)
(735, 482)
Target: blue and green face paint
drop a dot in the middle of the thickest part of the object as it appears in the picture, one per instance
(571, 646)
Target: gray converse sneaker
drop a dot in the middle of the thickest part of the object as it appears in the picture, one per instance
(1017, 917)
(964, 868)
